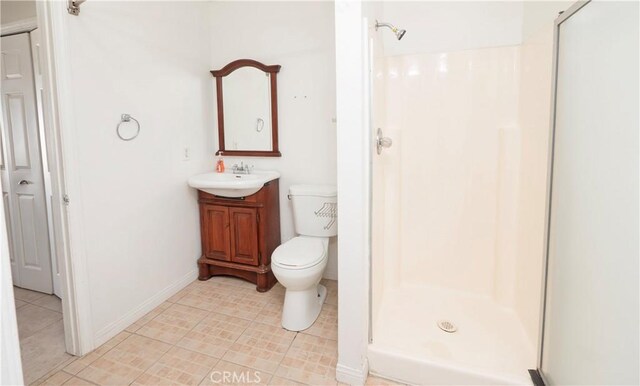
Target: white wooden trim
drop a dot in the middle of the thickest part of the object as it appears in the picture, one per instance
(18, 26)
(352, 376)
(354, 182)
(10, 362)
(112, 329)
(68, 227)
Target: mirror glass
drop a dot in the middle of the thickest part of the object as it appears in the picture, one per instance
(247, 110)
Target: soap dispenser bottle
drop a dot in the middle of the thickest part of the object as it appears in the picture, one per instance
(220, 165)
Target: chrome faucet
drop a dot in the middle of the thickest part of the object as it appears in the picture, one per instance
(242, 169)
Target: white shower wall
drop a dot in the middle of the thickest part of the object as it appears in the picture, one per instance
(453, 117)
(461, 194)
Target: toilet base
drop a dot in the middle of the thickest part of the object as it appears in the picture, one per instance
(301, 308)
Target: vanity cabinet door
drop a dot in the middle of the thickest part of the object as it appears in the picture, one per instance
(244, 235)
(216, 228)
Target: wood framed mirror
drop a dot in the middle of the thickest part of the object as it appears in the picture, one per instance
(247, 109)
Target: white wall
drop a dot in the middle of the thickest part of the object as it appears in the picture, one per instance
(152, 60)
(300, 38)
(139, 218)
(437, 26)
(11, 11)
(538, 14)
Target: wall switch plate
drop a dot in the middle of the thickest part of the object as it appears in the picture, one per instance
(186, 153)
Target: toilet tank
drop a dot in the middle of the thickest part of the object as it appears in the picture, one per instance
(315, 209)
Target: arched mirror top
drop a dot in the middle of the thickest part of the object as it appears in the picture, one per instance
(247, 101)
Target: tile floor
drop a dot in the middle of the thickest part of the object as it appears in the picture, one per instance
(41, 333)
(219, 331)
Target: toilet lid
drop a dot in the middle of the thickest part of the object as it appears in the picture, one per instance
(299, 252)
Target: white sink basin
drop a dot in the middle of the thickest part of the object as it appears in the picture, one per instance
(232, 185)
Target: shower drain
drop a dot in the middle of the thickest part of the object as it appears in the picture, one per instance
(447, 326)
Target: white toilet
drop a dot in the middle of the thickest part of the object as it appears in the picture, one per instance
(298, 264)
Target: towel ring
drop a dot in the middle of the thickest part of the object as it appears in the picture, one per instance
(127, 118)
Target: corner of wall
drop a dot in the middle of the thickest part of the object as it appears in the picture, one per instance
(114, 328)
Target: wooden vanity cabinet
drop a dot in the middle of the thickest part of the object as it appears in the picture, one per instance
(239, 235)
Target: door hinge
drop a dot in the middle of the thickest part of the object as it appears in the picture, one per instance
(65, 199)
(73, 6)
(258, 218)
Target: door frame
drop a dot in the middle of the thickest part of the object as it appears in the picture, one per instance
(547, 222)
(66, 203)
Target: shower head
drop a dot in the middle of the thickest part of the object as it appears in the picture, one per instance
(398, 32)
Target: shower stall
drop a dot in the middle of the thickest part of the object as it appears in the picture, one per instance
(464, 111)
(458, 199)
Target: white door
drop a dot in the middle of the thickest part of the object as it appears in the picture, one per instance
(36, 48)
(591, 313)
(21, 169)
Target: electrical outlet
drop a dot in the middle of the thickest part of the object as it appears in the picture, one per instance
(186, 154)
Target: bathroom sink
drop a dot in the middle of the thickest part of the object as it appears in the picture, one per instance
(232, 185)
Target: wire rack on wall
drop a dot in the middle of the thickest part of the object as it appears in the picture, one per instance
(330, 211)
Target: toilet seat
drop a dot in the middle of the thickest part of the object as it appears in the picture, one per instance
(299, 253)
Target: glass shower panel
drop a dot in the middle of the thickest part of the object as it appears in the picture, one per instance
(591, 315)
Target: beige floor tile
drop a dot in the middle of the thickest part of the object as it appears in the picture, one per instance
(311, 360)
(43, 351)
(376, 381)
(173, 323)
(178, 367)
(271, 314)
(260, 347)
(125, 362)
(111, 343)
(32, 319)
(205, 297)
(232, 281)
(177, 296)
(274, 295)
(81, 363)
(214, 334)
(54, 371)
(201, 337)
(57, 379)
(75, 381)
(26, 295)
(221, 281)
(50, 302)
(20, 303)
(332, 291)
(227, 373)
(279, 381)
(225, 299)
(326, 326)
(245, 304)
(148, 317)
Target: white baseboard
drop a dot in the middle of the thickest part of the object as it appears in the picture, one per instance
(352, 376)
(125, 321)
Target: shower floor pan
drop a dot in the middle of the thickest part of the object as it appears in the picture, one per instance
(489, 345)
